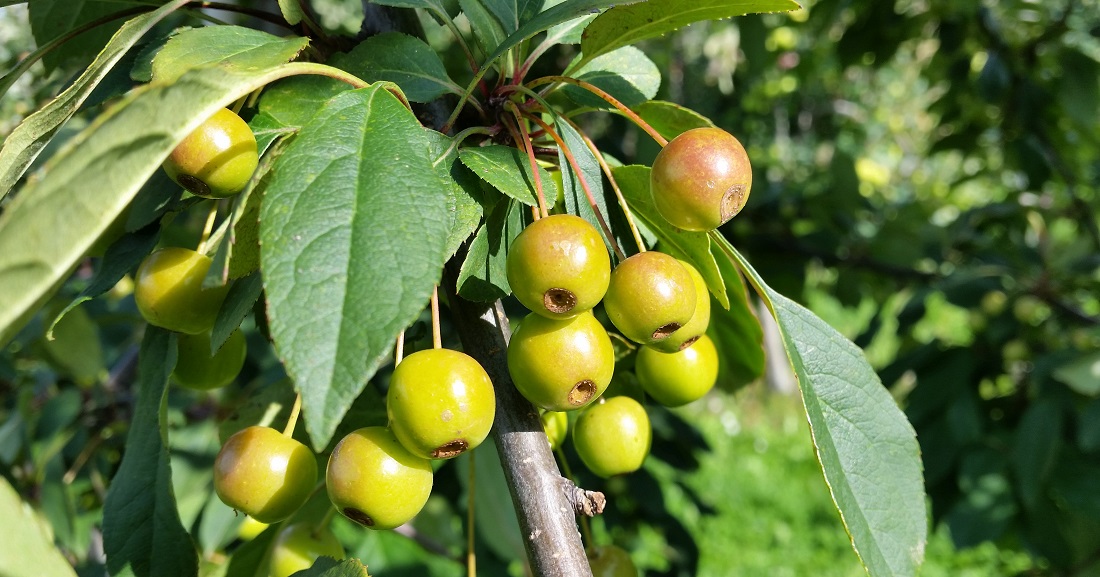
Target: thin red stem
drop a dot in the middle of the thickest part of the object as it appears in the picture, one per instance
(525, 142)
(633, 116)
(584, 182)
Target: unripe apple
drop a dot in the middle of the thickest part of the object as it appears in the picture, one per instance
(298, 546)
(217, 159)
(675, 379)
(684, 336)
(440, 403)
(651, 295)
(612, 437)
(611, 561)
(375, 481)
(558, 266)
(197, 369)
(168, 291)
(264, 473)
(561, 365)
(701, 179)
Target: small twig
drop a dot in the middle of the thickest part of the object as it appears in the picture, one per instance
(525, 143)
(587, 503)
(293, 420)
(437, 338)
(633, 116)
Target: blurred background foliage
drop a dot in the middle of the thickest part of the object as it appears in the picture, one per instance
(926, 176)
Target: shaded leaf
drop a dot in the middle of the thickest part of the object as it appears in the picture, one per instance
(466, 211)
(737, 333)
(292, 11)
(1082, 374)
(142, 533)
(208, 45)
(51, 19)
(627, 74)
(329, 567)
(353, 230)
(568, 32)
(508, 169)
(670, 119)
(26, 549)
(487, 29)
(866, 447)
(1038, 437)
(576, 201)
(47, 229)
(513, 13)
(483, 276)
(628, 24)
(238, 303)
(402, 59)
(22, 146)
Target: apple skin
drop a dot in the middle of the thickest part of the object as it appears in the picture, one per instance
(701, 179)
(217, 159)
(299, 545)
(558, 266)
(197, 369)
(561, 365)
(264, 473)
(676, 379)
(613, 437)
(440, 403)
(373, 480)
(611, 561)
(650, 296)
(700, 319)
(168, 291)
(556, 426)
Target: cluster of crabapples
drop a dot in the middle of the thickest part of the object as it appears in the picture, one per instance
(561, 357)
(440, 402)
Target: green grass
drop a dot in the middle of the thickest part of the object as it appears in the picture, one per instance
(775, 517)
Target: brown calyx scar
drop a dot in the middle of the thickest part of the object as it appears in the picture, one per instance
(559, 300)
(732, 201)
(582, 392)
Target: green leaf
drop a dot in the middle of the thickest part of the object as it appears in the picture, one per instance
(483, 276)
(26, 548)
(625, 25)
(487, 30)
(576, 201)
(51, 224)
(329, 567)
(121, 257)
(568, 32)
(513, 13)
(1038, 438)
(292, 11)
(22, 146)
(251, 558)
(240, 299)
(76, 347)
(291, 102)
(508, 169)
(353, 230)
(1082, 374)
(494, 513)
(627, 74)
(208, 45)
(142, 533)
(402, 59)
(465, 209)
(737, 335)
(670, 119)
(51, 19)
(694, 247)
(866, 447)
(563, 12)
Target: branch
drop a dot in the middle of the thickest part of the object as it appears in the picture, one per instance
(544, 501)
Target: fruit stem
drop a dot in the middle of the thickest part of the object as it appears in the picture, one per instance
(324, 522)
(633, 116)
(207, 228)
(293, 420)
(437, 340)
(399, 350)
(586, 530)
(525, 142)
(584, 183)
(614, 186)
(471, 558)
